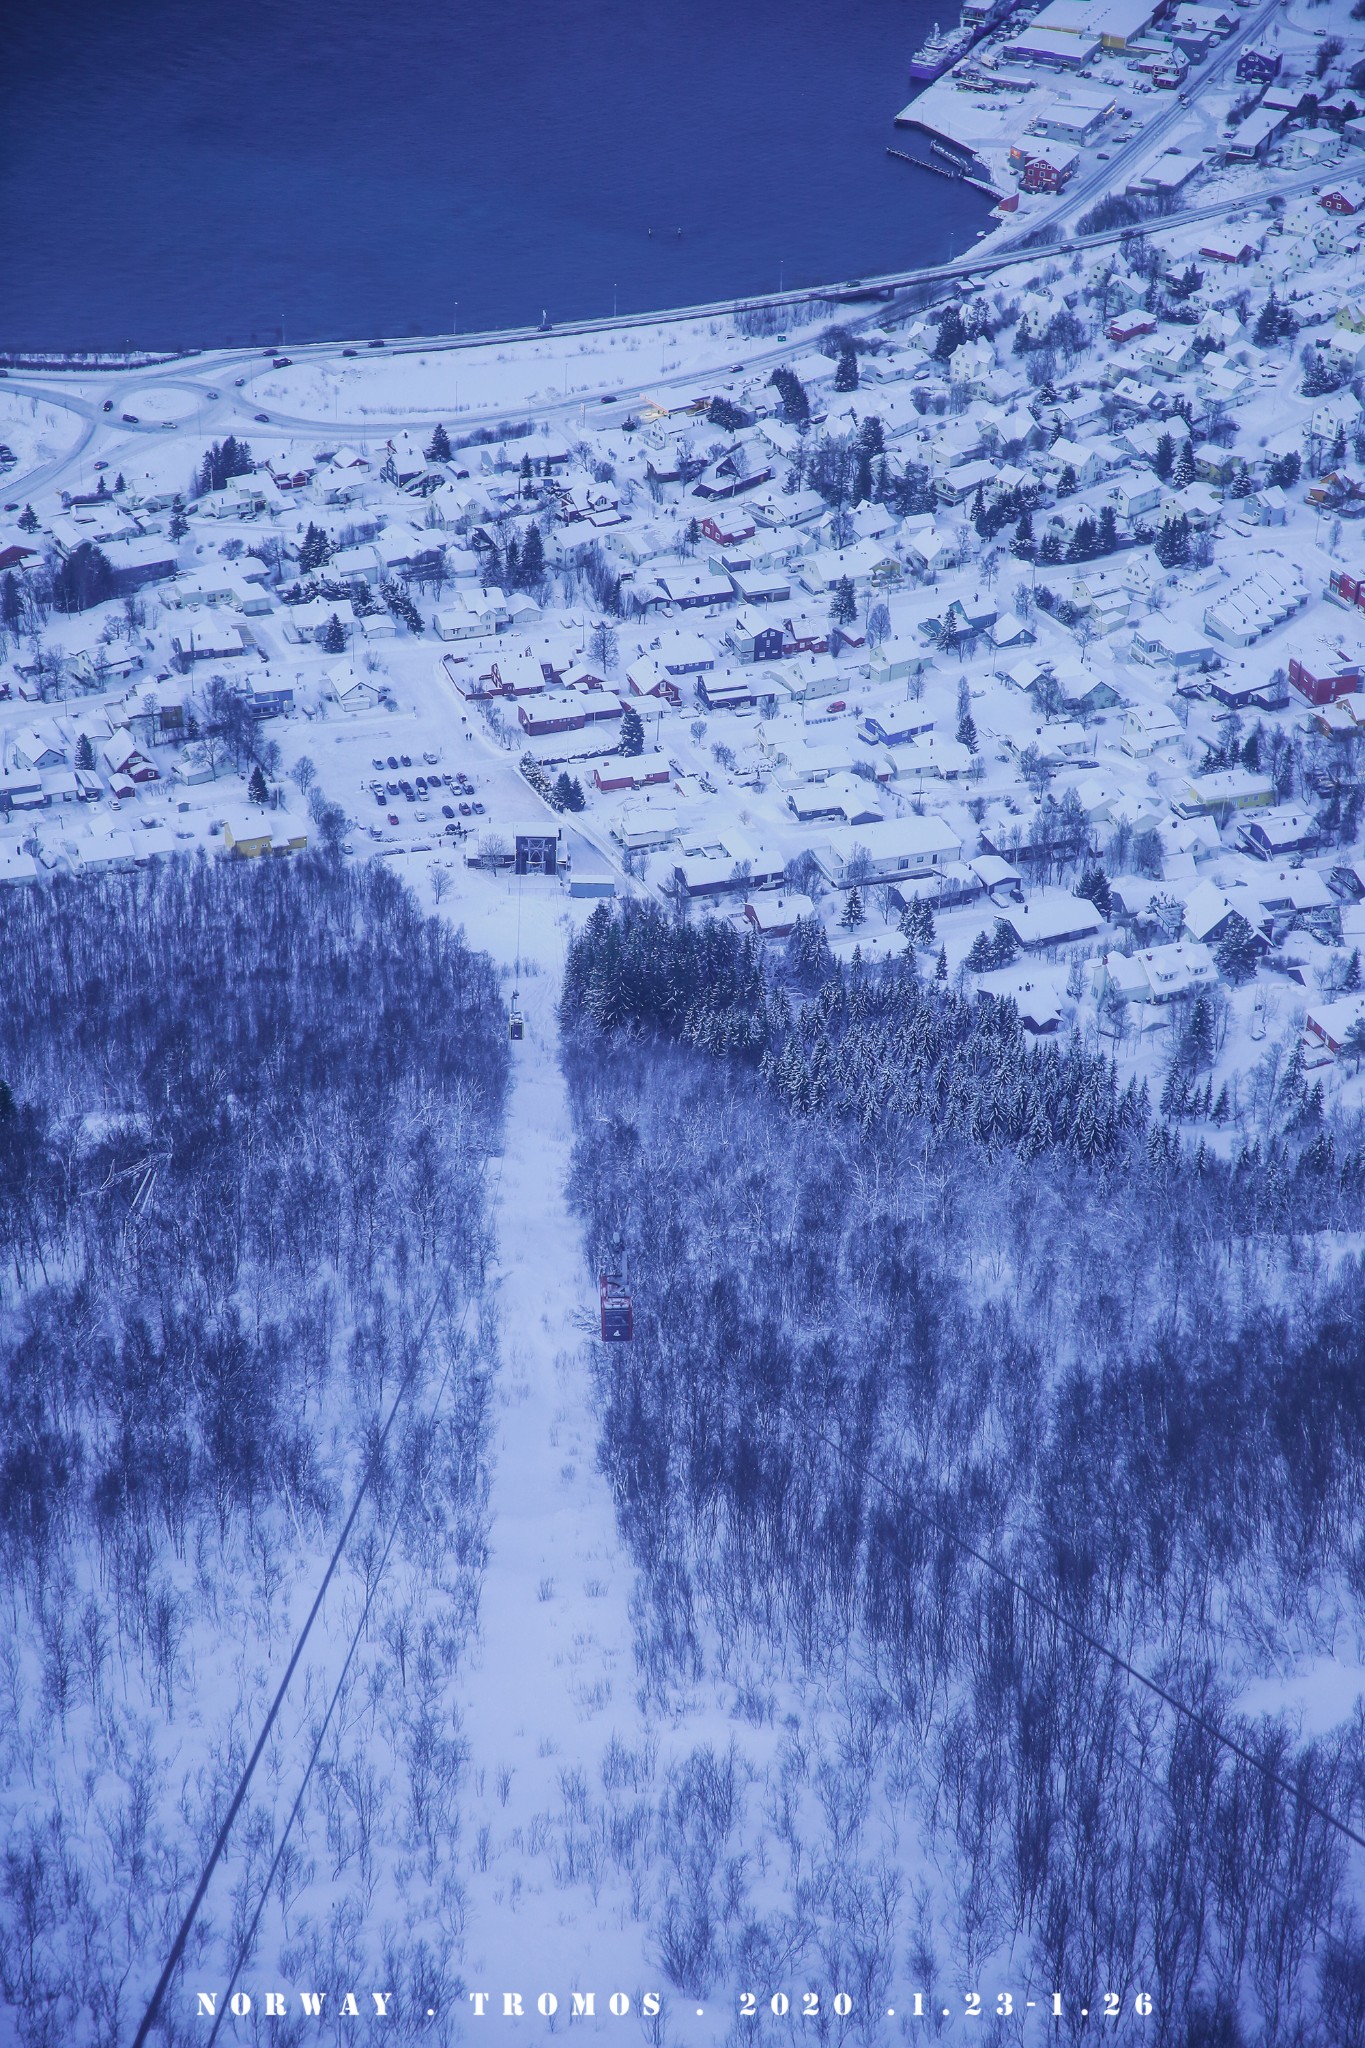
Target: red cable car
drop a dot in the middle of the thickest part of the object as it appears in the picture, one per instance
(617, 1313)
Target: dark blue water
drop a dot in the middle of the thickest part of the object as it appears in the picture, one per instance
(189, 172)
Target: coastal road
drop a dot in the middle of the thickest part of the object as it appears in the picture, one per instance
(1110, 177)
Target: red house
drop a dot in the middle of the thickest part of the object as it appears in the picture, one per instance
(1048, 170)
(1348, 198)
(1129, 325)
(727, 529)
(1347, 589)
(804, 635)
(1325, 675)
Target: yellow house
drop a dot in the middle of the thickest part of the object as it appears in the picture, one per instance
(251, 833)
(246, 836)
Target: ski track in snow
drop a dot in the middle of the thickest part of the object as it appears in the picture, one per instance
(554, 1677)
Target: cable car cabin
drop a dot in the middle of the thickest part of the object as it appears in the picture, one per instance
(516, 1023)
(617, 1316)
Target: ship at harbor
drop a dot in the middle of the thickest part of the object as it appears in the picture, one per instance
(943, 46)
(940, 49)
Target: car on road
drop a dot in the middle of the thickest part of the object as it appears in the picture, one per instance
(262, 419)
(350, 351)
(129, 419)
(211, 394)
(376, 344)
(239, 382)
(283, 362)
(108, 405)
(101, 464)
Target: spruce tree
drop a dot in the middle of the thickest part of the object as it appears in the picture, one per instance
(28, 520)
(256, 788)
(1094, 887)
(1183, 474)
(531, 567)
(334, 636)
(438, 448)
(1238, 951)
(316, 548)
(632, 732)
(853, 912)
(846, 376)
(179, 525)
(85, 753)
(11, 603)
(941, 965)
(844, 604)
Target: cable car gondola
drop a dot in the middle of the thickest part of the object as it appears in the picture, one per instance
(516, 1023)
(617, 1313)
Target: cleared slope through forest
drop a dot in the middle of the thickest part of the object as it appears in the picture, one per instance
(554, 1682)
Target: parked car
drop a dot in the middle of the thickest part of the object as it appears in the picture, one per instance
(393, 819)
(431, 759)
(393, 760)
(421, 785)
(404, 761)
(464, 810)
(377, 764)
(392, 788)
(446, 811)
(380, 798)
(477, 809)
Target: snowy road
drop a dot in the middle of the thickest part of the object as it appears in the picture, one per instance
(554, 1680)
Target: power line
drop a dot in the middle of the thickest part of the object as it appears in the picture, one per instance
(220, 1843)
(249, 1937)
(1063, 1621)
